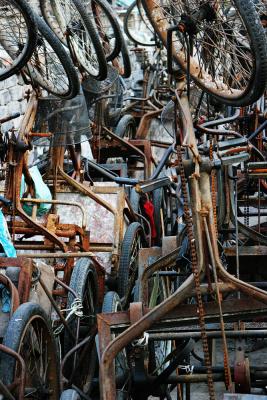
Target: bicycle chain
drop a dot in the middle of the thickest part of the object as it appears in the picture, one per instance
(214, 209)
(213, 189)
(246, 208)
(194, 264)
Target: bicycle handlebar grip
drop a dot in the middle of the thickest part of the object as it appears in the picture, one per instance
(5, 201)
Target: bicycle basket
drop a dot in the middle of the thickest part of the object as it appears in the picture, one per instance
(104, 99)
(168, 118)
(66, 120)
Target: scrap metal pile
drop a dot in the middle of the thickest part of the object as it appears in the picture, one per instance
(133, 221)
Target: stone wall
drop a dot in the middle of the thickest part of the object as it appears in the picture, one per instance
(12, 100)
(12, 95)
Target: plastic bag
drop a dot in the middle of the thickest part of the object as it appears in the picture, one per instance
(41, 192)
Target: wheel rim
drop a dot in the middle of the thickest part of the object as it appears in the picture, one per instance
(103, 27)
(72, 26)
(84, 370)
(46, 68)
(14, 36)
(221, 55)
(137, 24)
(133, 266)
(161, 348)
(39, 356)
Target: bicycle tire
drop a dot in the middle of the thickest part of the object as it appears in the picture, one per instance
(135, 200)
(111, 304)
(128, 267)
(157, 197)
(87, 52)
(29, 321)
(103, 31)
(253, 46)
(57, 74)
(19, 57)
(127, 30)
(50, 19)
(126, 61)
(123, 62)
(126, 127)
(84, 283)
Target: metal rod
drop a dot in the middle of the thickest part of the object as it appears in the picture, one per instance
(255, 333)
(62, 319)
(59, 255)
(4, 390)
(64, 203)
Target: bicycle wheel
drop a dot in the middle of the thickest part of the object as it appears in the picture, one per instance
(29, 333)
(225, 41)
(125, 61)
(126, 127)
(107, 26)
(84, 43)
(137, 27)
(18, 36)
(113, 304)
(50, 65)
(161, 288)
(84, 283)
(49, 17)
(165, 212)
(133, 240)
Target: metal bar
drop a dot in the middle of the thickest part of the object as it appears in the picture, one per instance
(53, 302)
(60, 255)
(4, 391)
(64, 203)
(255, 333)
(18, 357)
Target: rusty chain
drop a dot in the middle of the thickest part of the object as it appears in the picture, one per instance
(194, 263)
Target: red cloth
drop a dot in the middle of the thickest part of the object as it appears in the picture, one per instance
(149, 210)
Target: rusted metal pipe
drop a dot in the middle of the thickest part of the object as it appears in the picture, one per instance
(20, 360)
(64, 203)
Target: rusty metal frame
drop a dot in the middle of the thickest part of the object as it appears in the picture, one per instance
(201, 205)
(19, 382)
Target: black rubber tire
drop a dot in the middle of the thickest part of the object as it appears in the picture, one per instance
(126, 26)
(113, 19)
(83, 271)
(127, 278)
(111, 303)
(157, 197)
(73, 85)
(50, 19)
(21, 60)
(127, 68)
(125, 123)
(28, 314)
(70, 394)
(92, 33)
(257, 81)
(135, 200)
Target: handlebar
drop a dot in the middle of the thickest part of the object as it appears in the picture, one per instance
(9, 117)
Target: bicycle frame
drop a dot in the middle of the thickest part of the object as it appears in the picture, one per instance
(204, 232)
